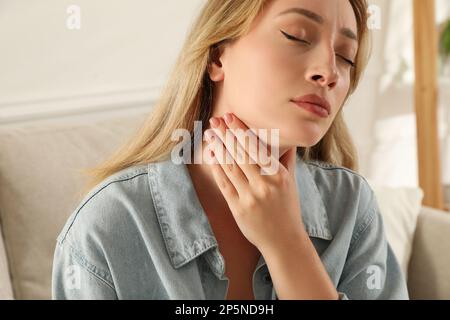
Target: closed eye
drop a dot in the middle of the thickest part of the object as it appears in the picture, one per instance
(350, 62)
(294, 38)
(288, 36)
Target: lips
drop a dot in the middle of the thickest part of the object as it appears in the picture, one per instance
(314, 99)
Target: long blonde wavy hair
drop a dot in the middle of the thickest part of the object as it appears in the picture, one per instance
(187, 95)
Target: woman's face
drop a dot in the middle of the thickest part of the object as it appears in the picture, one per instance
(261, 73)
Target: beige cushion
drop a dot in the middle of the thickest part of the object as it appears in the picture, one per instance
(40, 187)
(399, 207)
(5, 283)
(429, 269)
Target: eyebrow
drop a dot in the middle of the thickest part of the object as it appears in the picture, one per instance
(316, 18)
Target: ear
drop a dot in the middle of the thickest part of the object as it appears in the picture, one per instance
(215, 68)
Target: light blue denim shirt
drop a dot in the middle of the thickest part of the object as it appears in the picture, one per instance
(143, 234)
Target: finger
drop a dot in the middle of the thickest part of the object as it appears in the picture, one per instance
(224, 184)
(289, 160)
(237, 152)
(228, 164)
(257, 150)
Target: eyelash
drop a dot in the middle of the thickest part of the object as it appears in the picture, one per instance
(288, 36)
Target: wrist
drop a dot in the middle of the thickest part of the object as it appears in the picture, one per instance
(286, 243)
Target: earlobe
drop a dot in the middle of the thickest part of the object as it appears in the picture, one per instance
(215, 73)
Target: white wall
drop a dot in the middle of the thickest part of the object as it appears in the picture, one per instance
(120, 56)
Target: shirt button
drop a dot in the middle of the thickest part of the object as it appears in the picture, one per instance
(267, 278)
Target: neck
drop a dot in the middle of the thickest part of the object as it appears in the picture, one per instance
(202, 174)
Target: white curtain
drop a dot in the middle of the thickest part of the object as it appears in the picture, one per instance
(393, 159)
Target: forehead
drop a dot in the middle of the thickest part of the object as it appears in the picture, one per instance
(337, 13)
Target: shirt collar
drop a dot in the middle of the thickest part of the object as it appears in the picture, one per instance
(184, 225)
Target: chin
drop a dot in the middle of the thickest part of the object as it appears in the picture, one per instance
(302, 139)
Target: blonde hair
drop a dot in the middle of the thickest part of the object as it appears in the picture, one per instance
(187, 96)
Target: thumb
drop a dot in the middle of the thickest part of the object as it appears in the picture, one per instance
(289, 160)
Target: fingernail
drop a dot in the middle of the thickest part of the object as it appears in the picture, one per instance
(228, 118)
(209, 135)
(214, 122)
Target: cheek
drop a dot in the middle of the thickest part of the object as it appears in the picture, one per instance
(258, 80)
(341, 92)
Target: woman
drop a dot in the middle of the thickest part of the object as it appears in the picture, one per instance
(151, 227)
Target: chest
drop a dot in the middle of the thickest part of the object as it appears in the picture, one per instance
(240, 255)
(239, 272)
(241, 258)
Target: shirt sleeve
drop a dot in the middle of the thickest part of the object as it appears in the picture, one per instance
(74, 278)
(371, 271)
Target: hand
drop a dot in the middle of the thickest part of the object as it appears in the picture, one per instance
(266, 207)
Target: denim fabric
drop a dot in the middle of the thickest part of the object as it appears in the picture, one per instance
(143, 234)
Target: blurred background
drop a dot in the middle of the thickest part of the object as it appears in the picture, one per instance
(77, 76)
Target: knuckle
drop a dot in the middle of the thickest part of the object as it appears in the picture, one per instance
(251, 202)
(279, 179)
(264, 191)
(223, 184)
(231, 167)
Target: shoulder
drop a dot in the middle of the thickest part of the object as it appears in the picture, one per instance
(104, 233)
(109, 204)
(346, 193)
(337, 178)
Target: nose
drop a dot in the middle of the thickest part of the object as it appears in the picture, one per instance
(323, 71)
